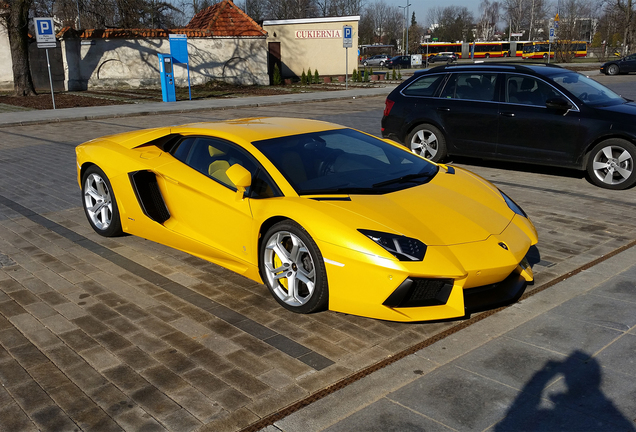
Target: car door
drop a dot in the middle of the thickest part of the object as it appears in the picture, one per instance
(531, 132)
(628, 64)
(203, 202)
(468, 112)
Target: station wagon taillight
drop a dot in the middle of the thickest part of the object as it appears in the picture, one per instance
(388, 104)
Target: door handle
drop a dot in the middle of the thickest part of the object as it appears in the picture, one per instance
(507, 114)
(445, 109)
(170, 179)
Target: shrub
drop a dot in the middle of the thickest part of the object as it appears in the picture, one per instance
(277, 79)
(354, 75)
(303, 78)
(316, 77)
(310, 77)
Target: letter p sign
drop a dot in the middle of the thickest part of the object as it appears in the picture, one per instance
(44, 27)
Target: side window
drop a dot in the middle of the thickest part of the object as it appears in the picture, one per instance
(182, 149)
(528, 90)
(424, 86)
(471, 86)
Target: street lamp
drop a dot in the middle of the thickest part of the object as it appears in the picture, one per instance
(406, 22)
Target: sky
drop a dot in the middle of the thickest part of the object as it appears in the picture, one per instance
(421, 7)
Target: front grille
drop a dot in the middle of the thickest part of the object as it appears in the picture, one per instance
(419, 292)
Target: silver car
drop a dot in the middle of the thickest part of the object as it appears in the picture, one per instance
(376, 60)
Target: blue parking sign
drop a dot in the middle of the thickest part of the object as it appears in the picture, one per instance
(44, 32)
(347, 37)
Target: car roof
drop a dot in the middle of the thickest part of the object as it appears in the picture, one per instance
(536, 68)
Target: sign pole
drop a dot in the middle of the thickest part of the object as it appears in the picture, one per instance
(346, 68)
(48, 63)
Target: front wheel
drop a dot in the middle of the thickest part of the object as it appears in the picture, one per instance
(612, 70)
(427, 141)
(365, 64)
(611, 164)
(99, 203)
(293, 268)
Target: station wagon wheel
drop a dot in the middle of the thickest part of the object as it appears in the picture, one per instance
(99, 203)
(293, 269)
(612, 69)
(427, 141)
(611, 164)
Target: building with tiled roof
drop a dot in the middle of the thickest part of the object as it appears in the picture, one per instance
(226, 19)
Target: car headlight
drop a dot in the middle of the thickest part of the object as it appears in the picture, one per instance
(402, 247)
(513, 205)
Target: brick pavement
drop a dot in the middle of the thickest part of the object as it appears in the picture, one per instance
(101, 334)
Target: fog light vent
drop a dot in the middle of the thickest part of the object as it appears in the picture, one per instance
(418, 292)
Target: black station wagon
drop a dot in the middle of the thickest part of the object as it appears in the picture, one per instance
(539, 114)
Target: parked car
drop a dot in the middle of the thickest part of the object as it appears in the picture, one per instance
(540, 114)
(446, 57)
(401, 61)
(325, 216)
(376, 60)
(623, 65)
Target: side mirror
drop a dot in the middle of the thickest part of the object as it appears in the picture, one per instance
(241, 178)
(558, 104)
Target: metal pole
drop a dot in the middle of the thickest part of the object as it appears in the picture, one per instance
(48, 63)
(347, 68)
(407, 28)
(79, 21)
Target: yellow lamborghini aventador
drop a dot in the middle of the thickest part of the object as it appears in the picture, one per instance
(325, 216)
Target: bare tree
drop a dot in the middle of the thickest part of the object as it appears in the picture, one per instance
(626, 7)
(451, 23)
(487, 24)
(17, 25)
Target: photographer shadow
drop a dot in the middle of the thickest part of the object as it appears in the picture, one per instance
(565, 396)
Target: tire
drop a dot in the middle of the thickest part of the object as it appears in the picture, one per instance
(427, 141)
(100, 205)
(287, 256)
(545, 56)
(381, 64)
(613, 69)
(487, 55)
(365, 63)
(611, 164)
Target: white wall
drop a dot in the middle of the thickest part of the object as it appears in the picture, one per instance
(131, 63)
(6, 65)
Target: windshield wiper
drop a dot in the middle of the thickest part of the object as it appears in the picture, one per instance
(404, 179)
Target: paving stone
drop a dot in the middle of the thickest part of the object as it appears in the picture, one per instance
(113, 341)
(136, 419)
(102, 312)
(210, 360)
(154, 401)
(64, 357)
(175, 361)
(122, 325)
(164, 379)
(155, 326)
(28, 355)
(125, 378)
(40, 309)
(48, 376)
(136, 358)
(148, 343)
(10, 338)
(181, 420)
(132, 312)
(12, 418)
(233, 421)
(6, 399)
(85, 377)
(26, 323)
(11, 308)
(24, 297)
(111, 399)
(53, 298)
(182, 342)
(275, 400)
(100, 358)
(52, 418)
(71, 399)
(71, 311)
(165, 313)
(95, 419)
(244, 382)
(206, 382)
(196, 403)
(13, 375)
(78, 340)
(90, 325)
(58, 324)
(31, 397)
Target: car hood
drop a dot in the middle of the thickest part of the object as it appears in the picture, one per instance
(451, 209)
(628, 109)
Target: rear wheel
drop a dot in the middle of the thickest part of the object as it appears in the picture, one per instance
(99, 203)
(427, 141)
(611, 164)
(487, 55)
(293, 268)
(612, 69)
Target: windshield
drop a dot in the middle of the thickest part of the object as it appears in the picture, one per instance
(586, 89)
(344, 161)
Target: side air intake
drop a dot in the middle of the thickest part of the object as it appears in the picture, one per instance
(149, 196)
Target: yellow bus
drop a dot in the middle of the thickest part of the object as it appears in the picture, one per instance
(435, 48)
(541, 50)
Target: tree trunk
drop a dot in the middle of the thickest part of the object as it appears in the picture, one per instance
(18, 30)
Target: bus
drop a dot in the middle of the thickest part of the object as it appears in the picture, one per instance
(517, 45)
(541, 50)
(488, 49)
(435, 48)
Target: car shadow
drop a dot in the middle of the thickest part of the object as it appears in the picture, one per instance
(517, 166)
